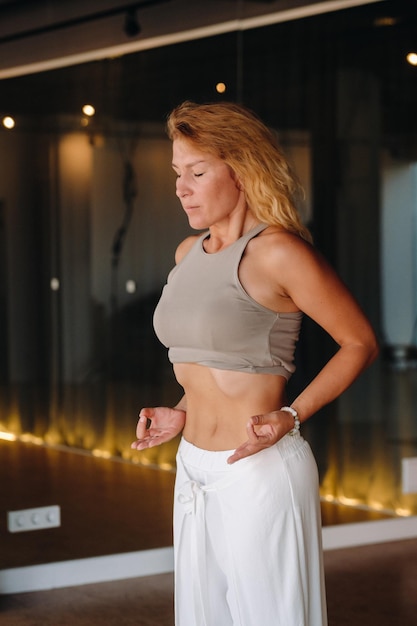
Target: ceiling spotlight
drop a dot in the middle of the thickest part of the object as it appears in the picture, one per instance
(412, 58)
(8, 122)
(385, 20)
(132, 26)
(220, 87)
(89, 110)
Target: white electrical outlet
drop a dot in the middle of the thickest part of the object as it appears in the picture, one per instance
(409, 467)
(33, 519)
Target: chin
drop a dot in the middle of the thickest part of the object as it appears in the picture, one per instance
(198, 224)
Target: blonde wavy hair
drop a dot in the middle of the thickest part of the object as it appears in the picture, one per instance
(237, 136)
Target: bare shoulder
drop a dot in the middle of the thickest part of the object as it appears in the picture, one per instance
(277, 246)
(296, 270)
(184, 247)
(292, 264)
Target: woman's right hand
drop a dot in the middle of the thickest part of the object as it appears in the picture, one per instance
(158, 425)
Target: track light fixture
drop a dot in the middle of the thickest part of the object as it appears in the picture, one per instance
(132, 26)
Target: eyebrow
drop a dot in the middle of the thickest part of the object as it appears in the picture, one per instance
(192, 164)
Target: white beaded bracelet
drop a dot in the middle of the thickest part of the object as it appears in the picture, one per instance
(294, 413)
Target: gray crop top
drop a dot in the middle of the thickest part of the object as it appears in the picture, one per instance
(205, 316)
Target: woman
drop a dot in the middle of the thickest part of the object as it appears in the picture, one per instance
(247, 529)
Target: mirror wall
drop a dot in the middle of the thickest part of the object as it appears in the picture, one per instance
(89, 223)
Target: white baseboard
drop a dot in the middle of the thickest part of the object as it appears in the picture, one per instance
(362, 533)
(159, 561)
(85, 571)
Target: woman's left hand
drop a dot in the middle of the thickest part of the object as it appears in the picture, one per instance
(263, 431)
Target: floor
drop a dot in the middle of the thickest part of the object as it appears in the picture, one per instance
(369, 586)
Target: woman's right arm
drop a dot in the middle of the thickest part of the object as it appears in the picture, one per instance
(159, 424)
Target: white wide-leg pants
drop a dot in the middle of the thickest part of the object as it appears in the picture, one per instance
(247, 538)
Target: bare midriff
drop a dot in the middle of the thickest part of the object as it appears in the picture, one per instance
(220, 402)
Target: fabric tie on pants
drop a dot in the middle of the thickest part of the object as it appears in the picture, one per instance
(192, 497)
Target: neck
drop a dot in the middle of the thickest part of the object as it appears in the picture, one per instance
(223, 235)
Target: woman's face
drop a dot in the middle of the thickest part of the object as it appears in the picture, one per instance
(205, 185)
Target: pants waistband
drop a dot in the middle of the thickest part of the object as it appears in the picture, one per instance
(213, 460)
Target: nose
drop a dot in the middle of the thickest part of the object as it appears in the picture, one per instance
(182, 189)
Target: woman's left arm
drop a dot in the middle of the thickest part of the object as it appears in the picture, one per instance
(315, 288)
